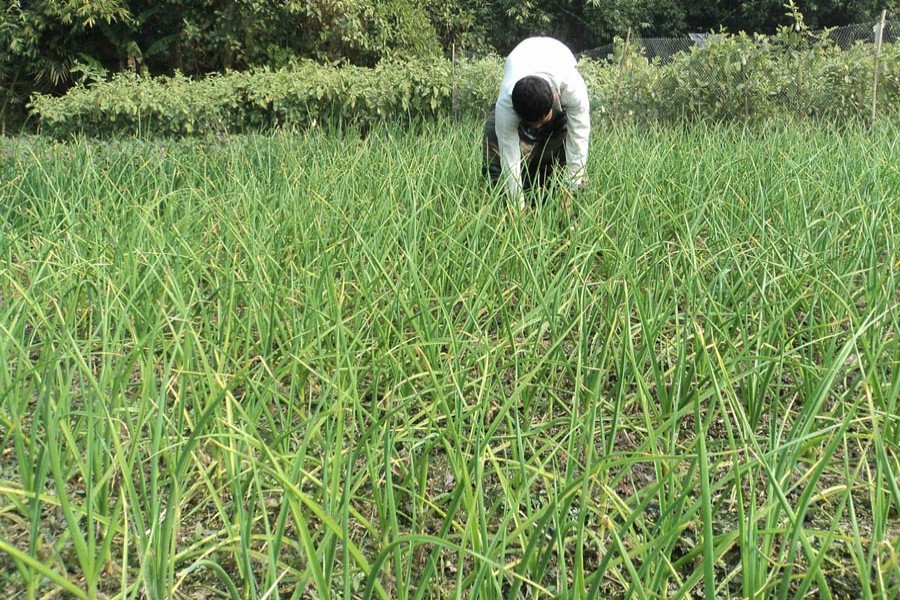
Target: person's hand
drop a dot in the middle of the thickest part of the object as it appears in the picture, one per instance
(576, 185)
(570, 190)
(566, 204)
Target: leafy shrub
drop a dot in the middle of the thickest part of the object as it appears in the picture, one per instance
(730, 78)
(305, 94)
(739, 77)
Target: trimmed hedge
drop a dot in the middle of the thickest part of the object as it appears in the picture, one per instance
(306, 94)
(751, 78)
(730, 78)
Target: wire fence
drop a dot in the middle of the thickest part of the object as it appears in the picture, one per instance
(664, 50)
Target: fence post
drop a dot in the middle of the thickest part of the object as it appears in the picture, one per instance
(878, 37)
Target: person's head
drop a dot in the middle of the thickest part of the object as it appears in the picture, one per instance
(532, 98)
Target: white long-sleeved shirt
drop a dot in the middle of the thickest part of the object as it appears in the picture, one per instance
(551, 60)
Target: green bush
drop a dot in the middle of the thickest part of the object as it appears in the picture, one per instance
(741, 77)
(305, 94)
(729, 78)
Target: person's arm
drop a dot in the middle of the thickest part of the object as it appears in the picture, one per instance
(507, 123)
(574, 100)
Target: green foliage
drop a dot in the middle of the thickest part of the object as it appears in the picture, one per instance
(461, 24)
(742, 77)
(246, 33)
(40, 42)
(43, 44)
(765, 16)
(730, 78)
(305, 94)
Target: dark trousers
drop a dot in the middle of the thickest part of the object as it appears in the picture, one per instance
(543, 149)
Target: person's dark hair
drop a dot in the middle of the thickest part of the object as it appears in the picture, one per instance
(532, 97)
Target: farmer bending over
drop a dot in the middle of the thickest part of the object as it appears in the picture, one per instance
(541, 119)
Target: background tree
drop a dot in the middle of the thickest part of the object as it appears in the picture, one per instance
(764, 16)
(40, 41)
(235, 34)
